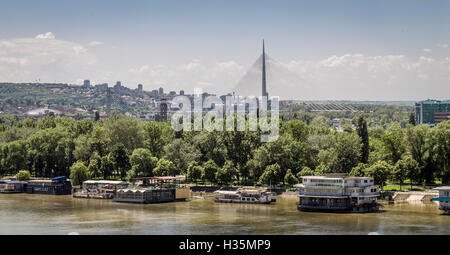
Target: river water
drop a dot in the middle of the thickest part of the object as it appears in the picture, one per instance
(42, 214)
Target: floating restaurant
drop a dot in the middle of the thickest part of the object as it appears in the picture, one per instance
(244, 196)
(55, 186)
(443, 199)
(102, 189)
(12, 186)
(154, 190)
(337, 194)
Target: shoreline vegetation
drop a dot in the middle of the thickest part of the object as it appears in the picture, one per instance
(124, 148)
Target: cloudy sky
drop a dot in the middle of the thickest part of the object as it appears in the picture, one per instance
(359, 50)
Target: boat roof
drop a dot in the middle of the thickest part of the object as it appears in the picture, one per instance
(103, 182)
(226, 192)
(60, 178)
(443, 188)
(336, 177)
(253, 191)
(232, 192)
(164, 178)
(131, 190)
(12, 182)
(40, 181)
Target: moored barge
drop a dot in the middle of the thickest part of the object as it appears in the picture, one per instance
(9, 186)
(99, 189)
(243, 196)
(154, 190)
(55, 186)
(335, 193)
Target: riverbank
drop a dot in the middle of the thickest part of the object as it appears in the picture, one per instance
(415, 196)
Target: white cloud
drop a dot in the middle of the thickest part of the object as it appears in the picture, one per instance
(442, 45)
(48, 35)
(347, 76)
(426, 50)
(43, 58)
(96, 43)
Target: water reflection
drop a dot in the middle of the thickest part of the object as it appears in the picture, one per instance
(40, 214)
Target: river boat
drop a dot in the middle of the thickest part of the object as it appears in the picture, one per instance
(10, 186)
(243, 196)
(154, 190)
(99, 189)
(338, 193)
(55, 186)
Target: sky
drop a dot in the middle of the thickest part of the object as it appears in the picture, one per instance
(348, 50)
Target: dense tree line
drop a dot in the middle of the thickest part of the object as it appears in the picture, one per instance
(125, 148)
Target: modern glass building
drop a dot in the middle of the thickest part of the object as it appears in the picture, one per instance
(432, 111)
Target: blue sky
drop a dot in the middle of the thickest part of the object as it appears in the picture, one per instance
(135, 34)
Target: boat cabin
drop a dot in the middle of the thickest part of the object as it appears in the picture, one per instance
(337, 193)
(12, 186)
(154, 190)
(100, 189)
(243, 196)
(55, 186)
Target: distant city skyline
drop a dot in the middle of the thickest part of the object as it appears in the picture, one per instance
(338, 50)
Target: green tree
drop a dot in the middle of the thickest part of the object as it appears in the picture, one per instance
(14, 156)
(97, 116)
(393, 144)
(404, 168)
(194, 172)
(344, 154)
(412, 169)
(165, 168)
(95, 165)
(418, 145)
(361, 129)
(439, 143)
(297, 129)
(181, 153)
(412, 119)
(107, 166)
(306, 171)
(380, 172)
(226, 174)
(23, 175)
(120, 159)
(210, 169)
(358, 170)
(290, 179)
(50, 152)
(210, 146)
(157, 135)
(271, 175)
(142, 162)
(79, 173)
(124, 130)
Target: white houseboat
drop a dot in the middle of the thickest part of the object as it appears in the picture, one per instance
(244, 196)
(443, 199)
(154, 190)
(337, 194)
(99, 189)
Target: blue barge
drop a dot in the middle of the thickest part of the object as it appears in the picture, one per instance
(12, 187)
(55, 186)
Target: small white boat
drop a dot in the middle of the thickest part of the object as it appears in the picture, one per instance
(243, 196)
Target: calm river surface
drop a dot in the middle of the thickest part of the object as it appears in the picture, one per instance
(41, 214)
